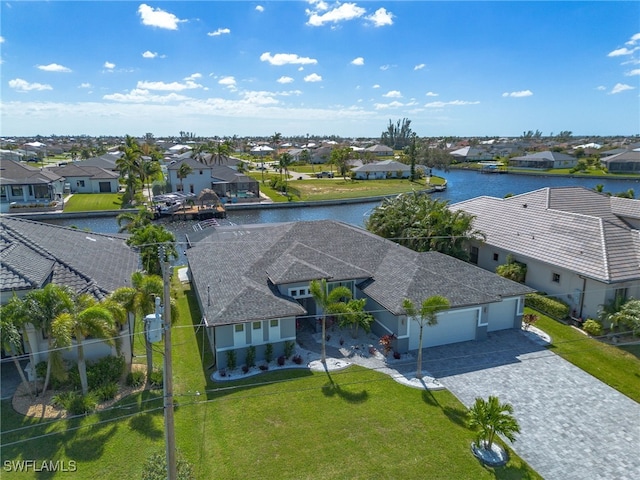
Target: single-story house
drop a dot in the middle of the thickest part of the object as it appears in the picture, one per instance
(108, 161)
(224, 180)
(382, 169)
(544, 160)
(380, 150)
(14, 155)
(261, 150)
(578, 245)
(23, 184)
(625, 162)
(252, 286)
(471, 154)
(87, 179)
(35, 254)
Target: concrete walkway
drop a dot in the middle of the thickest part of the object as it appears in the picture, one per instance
(573, 426)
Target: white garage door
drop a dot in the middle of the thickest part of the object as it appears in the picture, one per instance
(452, 327)
(501, 315)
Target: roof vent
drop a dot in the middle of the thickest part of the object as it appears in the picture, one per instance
(524, 205)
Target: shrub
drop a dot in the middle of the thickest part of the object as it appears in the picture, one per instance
(297, 359)
(550, 306)
(396, 355)
(387, 342)
(250, 359)
(529, 319)
(155, 467)
(281, 360)
(268, 353)
(289, 345)
(245, 369)
(136, 379)
(80, 404)
(264, 367)
(231, 359)
(592, 327)
(106, 392)
(104, 371)
(156, 379)
(62, 400)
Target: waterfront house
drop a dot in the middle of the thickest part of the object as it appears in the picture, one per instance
(252, 286)
(578, 245)
(88, 179)
(624, 162)
(35, 254)
(23, 185)
(380, 150)
(381, 170)
(544, 160)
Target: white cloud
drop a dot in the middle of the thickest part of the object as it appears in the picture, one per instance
(633, 73)
(109, 65)
(314, 77)
(634, 39)
(218, 32)
(280, 59)
(173, 86)
(519, 94)
(601, 88)
(376, 86)
(384, 68)
(54, 67)
(453, 102)
(357, 61)
(622, 51)
(343, 12)
(431, 94)
(1, 39)
(23, 86)
(382, 106)
(620, 87)
(85, 85)
(259, 8)
(284, 79)
(149, 54)
(381, 18)
(156, 17)
(392, 94)
(193, 76)
(139, 95)
(229, 82)
(420, 66)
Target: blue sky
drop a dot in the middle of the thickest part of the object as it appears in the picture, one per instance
(322, 68)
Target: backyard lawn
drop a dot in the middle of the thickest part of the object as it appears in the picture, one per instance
(355, 424)
(618, 367)
(91, 202)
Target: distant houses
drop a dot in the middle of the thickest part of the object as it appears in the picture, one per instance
(544, 160)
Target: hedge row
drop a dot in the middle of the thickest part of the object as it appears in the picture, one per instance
(552, 307)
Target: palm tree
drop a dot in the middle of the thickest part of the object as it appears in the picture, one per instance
(139, 300)
(221, 151)
(42, 307)
(149, 170)
(490, 417)
(354, 316)
(129, 222)
(329, 302)
(284, 160)
(88, 318)
(427, 315)
(12, 318)
(184, 170)
(129, 165)
(149, 239)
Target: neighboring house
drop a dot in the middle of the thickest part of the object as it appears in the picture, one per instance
(86, 179)
(34, 254)
(11, 155)
(23, 184)
(544, 160)
(625, 162)
(381, 170)
(106, 162)
(261, 150)
(471, 154)
(380, 150)
(225, 181)
(578, 245)
(252, 286)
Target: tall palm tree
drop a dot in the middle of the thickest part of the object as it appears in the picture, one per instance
(426, 315)
(129, 222)
(42, 307)
(329, 302)
(12, 319)
(149, 239)
(284, 161)
(129, 165)
(490, 417)
(87, 318)
(184, 170)
(221, 151)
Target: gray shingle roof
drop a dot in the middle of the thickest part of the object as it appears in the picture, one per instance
(235, 268)
(571, 227)
(32, 252)
(16, 173)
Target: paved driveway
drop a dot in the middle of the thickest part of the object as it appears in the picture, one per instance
(572, 425)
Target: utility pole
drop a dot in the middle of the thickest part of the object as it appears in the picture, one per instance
(170, 437)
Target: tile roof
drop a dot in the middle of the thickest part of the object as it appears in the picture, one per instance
(235, 270)
(571, 227)
(74, 170)
(31, 253)
(16, 173)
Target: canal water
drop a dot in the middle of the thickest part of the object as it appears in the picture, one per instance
(461, 185)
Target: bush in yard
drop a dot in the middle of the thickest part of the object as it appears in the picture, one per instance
(289, 345)
(105, 371)
(231, 359)
(136, 379)
(529, 319)
(156, 379)
(79, 404)
(592, 327)
(297, 359)
(250, 359)
(155, 468)
(550, 306)
(106, 392)
(281, 360)
(268, 353)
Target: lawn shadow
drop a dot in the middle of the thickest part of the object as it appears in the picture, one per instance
(90, 446)
(331, 388)
(144, 423)
(456, 415)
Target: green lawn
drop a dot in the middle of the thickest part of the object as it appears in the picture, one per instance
(618, 367)
(91, 202)
(288, 424)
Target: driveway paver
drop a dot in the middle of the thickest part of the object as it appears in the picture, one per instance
(573, 426)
